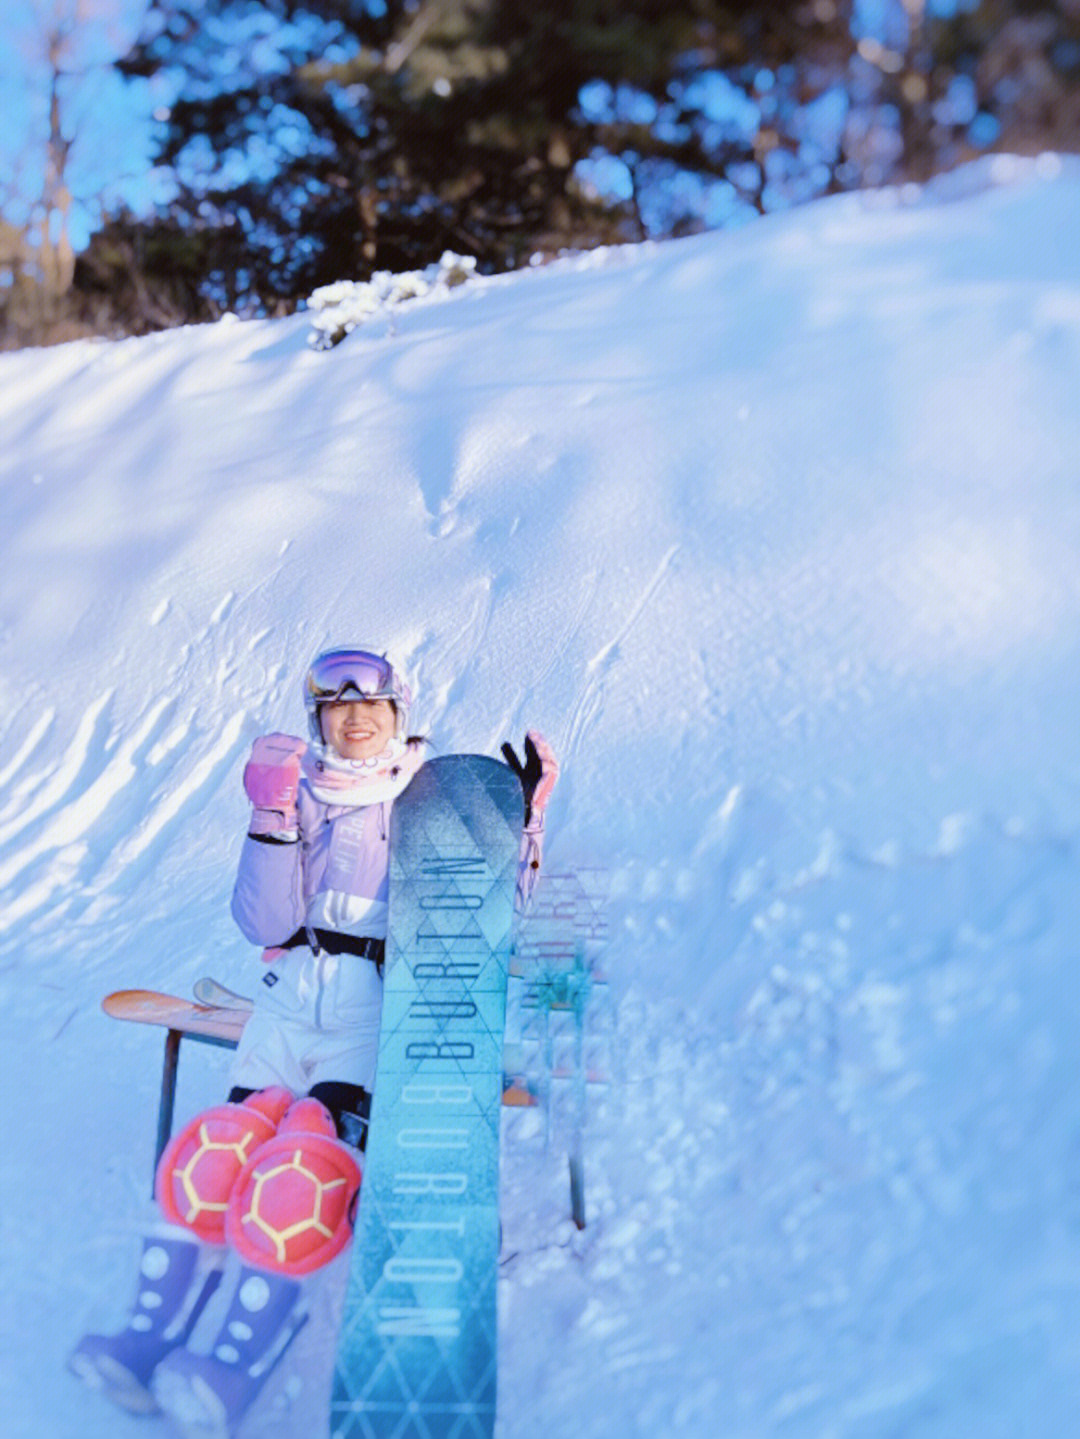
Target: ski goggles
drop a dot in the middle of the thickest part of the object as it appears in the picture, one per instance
(338, 674)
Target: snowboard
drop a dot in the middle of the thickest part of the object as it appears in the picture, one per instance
(149, 1006)
(416, 1354)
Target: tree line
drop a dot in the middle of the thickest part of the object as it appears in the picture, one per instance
(298, 142)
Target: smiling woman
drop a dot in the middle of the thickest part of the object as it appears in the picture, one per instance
(358, 729)
(313, 886)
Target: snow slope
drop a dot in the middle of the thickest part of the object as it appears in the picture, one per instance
(774, 533)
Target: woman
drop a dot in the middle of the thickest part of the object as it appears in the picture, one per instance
(312, 887)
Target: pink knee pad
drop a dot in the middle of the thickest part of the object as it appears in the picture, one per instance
(201, 1164)
(292, 1208)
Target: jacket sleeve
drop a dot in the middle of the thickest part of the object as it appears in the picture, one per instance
(530, 858)
(268, 897)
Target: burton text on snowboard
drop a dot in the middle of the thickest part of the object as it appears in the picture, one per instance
(417, 1349)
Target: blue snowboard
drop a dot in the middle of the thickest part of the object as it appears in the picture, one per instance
(417, 1350)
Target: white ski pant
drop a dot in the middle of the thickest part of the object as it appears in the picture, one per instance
(316, 1018)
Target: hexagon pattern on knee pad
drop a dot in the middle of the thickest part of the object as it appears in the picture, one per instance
(292, 1208)
(201, 1164)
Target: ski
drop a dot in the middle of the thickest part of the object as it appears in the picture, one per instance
(417, 1349)
(170, 1011)
(212, 992)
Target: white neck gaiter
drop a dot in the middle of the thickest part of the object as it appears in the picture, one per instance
(352, 782)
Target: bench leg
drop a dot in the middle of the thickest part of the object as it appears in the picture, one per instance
(168, 1093)
(577, 1188)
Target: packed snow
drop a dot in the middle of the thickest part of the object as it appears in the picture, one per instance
(774, 533)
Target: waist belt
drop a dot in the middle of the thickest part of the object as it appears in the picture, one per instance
(334, 942)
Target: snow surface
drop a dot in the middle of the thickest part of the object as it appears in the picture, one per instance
(775, 534)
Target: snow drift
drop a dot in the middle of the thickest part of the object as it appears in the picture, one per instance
(774, 534)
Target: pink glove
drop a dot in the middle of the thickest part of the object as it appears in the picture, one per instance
(271, 780)
(545, 783)
(537, 772)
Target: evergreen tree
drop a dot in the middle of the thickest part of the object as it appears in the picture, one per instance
(319, 141)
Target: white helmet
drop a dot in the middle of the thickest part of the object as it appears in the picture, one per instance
(353, 674)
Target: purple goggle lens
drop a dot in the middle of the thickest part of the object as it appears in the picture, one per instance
(334, 674)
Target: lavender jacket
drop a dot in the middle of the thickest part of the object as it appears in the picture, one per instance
(335, 876)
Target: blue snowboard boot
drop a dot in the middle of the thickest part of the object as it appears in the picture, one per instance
(207, 1395)
(177, 1276)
